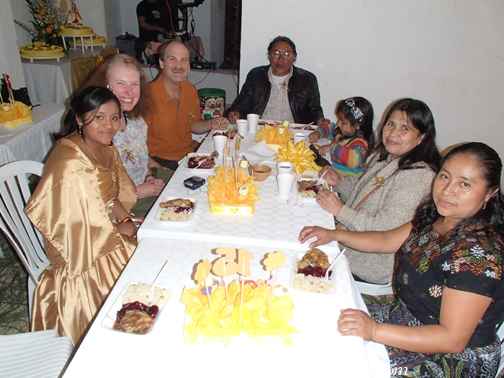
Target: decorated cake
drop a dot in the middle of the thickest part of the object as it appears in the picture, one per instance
(245, 311)
(40, 50)
(232, 193)
(76, 31)
(275, 136)
(12, 112)
(97, 41)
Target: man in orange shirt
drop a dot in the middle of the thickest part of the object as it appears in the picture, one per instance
(177, 109)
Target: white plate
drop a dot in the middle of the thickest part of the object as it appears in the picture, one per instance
(160, 210)
(108, 321)
(198, 169)
(294, 269)
(309, 177)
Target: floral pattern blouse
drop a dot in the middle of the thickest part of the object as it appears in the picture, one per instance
(469, 261)
(132, 146)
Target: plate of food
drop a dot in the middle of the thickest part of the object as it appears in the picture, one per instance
(302, 126)
(308, 272)
(202, 162)
(176, 209)
(129, 313)
(308, 188)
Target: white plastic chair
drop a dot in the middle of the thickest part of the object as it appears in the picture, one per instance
(26, 240)
(34, 354)
(374, 289)
(500, 333)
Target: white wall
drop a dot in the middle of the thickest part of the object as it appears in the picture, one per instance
(10, 61)
(447, 53)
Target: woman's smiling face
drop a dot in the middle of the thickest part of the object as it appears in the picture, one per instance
(125, 84)
(399, 135)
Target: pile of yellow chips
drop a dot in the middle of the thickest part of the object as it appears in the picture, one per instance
(300, 155)
(13, 111)
(222, 188)
(262, 314)
(279, 135)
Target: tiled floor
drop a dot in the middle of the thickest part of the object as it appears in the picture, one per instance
(13, 296)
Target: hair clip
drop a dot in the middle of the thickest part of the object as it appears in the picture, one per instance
(109, 87)
(356, 112)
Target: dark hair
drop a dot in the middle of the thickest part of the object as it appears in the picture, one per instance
(281, 38)
(89, 99)
(365, 122)
(100, 78)
(492, 215)
(421, 118)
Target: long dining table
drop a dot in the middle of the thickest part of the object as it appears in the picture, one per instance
(317, 349)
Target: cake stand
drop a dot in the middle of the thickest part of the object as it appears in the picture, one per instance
(63, 36)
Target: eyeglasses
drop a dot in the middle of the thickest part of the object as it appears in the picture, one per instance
(277, 54)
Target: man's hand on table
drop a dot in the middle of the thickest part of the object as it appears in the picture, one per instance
(220, 123)
(233, 116)
(323, 121)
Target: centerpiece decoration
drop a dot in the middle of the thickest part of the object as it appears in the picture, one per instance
(300, 155)
(13, 113)
(46, 21)
(275, 136)
(231, 190)
(258, 311)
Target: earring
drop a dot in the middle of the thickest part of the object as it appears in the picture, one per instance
(484, 206)
(109, 87)
(80, 129)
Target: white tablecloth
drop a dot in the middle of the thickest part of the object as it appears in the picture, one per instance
(317, 349)
(48, 80)
(274, 221)
(32, 141)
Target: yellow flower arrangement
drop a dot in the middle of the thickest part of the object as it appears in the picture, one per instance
(46, 20)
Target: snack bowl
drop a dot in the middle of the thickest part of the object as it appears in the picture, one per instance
(109, 322)
(315, 285)
(259, 171)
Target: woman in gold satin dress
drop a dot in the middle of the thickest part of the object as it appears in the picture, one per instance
(81, 207)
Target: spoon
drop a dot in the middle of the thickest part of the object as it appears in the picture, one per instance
(308, 124)
(332, 264)
(150, 295)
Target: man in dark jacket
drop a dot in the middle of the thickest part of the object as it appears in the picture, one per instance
(280, 91)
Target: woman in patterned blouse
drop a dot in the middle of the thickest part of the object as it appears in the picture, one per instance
(448, 274)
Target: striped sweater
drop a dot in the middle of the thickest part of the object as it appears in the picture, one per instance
(348, 154)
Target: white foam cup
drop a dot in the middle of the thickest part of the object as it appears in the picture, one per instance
(253, 121)
(242, 125)
(284, 167)
(285, 181)
(298, 137)
(219, 142)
